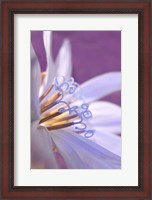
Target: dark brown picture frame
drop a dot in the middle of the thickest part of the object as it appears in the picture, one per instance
(141, 7)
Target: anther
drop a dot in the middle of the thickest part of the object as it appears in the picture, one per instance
(46, 93)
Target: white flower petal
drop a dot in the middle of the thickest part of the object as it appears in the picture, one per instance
(63, 61)
(50, 69)
(35, 85)
(101, 86)
(93, 155)
(106, 115)
(107, 140)
(42, 147)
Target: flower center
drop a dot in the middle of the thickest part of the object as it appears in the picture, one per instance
(62, 107)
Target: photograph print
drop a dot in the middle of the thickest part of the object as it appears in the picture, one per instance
(75, 99)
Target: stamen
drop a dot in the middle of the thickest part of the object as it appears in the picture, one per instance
(59, 126)
(52, 112)
(49, 117)
(43, 74)
(47, 107)
(64, 117)
(46, 93)
(89, 133)
(50, 102)
(65, 113)
(60, 118)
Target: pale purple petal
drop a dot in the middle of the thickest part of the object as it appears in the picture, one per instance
(85, 151)
(101, 86)
(35, 85)
(106, 115)
(107, 140)
(42, 147)
(63, 61)
(70, 156)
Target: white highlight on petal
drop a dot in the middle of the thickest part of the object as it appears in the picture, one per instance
(63, 61)
(47, 39)
(50, 69)
(42, 147)
(106, 115)
(101, 86)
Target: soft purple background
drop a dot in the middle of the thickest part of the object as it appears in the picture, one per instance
(93, 53)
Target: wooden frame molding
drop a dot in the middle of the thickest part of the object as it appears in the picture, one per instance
(143, 9)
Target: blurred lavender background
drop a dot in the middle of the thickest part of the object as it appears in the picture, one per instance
(93, 53)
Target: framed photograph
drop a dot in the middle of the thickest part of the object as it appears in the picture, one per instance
(76, 88)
